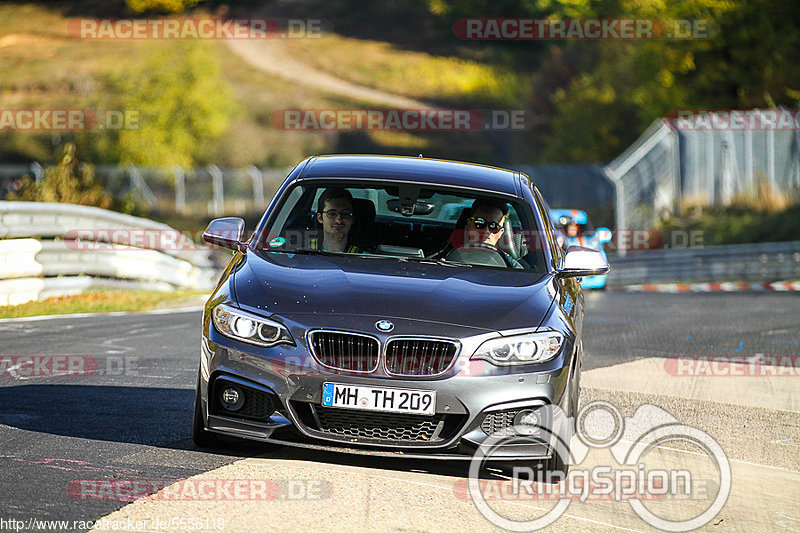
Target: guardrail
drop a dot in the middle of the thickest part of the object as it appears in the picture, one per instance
(767, 262)
(50, 249)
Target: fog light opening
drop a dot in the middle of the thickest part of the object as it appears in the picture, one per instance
(232, 398)
(527, 422)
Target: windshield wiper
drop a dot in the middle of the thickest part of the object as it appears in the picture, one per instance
(432, 261)
(303, 251)
(406, 259)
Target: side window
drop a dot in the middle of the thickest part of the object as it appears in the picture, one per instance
(288, 207)
(544, 212)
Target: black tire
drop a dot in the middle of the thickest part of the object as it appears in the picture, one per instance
(200, 435)
(553, 469)
(575, 401)
(556, 462)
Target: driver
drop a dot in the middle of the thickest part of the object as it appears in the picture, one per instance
(483, 225)
(486, 221)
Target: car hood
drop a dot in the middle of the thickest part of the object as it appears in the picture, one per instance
(487, 299)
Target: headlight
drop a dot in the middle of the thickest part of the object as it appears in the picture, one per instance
(521, 349)
(243, 326)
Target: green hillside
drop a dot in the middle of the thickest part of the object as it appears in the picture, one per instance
(202, 102)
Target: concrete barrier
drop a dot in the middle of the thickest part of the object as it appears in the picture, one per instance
(51, 249)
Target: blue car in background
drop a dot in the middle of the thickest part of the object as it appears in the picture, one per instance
(574, 229)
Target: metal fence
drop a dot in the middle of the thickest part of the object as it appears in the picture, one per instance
(763, 262)
(576, 187)
(217, 191)
(671, 166)
(210, 190)
(666, 168)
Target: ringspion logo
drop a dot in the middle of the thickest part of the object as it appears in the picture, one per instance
(631, 473)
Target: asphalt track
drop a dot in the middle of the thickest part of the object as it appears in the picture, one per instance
(129, 418)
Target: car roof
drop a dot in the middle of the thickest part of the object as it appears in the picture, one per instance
(413, 169)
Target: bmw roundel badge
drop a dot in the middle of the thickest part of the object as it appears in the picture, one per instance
(384, 325)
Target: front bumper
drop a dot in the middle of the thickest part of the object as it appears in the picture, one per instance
(467, 396)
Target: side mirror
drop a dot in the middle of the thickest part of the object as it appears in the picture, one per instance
(225, 232)
(603, 234)
(580, 262)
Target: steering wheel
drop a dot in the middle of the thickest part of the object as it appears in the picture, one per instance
(507, 260)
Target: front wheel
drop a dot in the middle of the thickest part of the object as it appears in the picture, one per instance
(556, 466)
(552, 470)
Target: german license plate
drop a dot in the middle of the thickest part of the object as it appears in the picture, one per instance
(419, 402)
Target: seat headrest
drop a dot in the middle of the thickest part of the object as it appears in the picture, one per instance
(461, 222)
(364, 210)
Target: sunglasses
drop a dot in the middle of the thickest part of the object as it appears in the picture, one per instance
(333, 214)
(482, 223)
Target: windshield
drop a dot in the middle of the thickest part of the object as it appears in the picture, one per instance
(405, 222)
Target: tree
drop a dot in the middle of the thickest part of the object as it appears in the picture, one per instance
(67, 182)
(182, 102)
(170, 6)
(748, 59)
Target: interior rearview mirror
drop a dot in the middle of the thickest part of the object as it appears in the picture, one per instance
(418, 208)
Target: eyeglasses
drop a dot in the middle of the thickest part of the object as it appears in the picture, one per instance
(333, 214)
(481, 223)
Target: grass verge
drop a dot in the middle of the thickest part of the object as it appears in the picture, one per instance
(102, 302)
(46, 68)
(419, 75)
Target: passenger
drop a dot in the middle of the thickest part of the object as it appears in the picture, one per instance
(335, 214)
